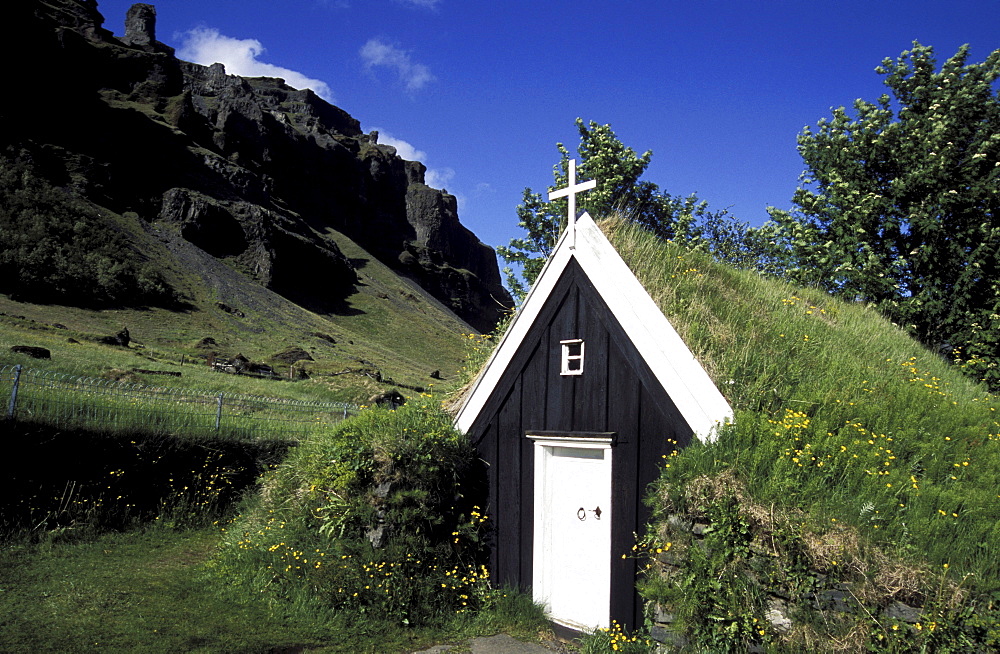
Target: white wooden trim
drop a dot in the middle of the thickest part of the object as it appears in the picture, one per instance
(668, 357)
(571, 440)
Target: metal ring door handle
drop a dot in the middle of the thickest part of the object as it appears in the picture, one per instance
(581, 513)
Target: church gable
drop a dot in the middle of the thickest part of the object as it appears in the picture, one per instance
(595, 265)
(588, 390)
(576, 328)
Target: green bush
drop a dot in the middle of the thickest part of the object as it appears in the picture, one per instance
(370, 519)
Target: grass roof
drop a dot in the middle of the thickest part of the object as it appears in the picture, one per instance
(839, 414)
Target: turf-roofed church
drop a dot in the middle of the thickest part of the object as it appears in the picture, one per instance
(587, 391)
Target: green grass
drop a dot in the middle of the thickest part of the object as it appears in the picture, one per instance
(72, 402)
(149, 591)
(140, 591)
(845, 428)
(836, 409)
(128, 543)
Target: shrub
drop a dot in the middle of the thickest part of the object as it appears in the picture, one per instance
(78, 483)
(371, 519)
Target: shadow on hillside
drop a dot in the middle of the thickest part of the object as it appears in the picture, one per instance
(322, 303)
(82, 482)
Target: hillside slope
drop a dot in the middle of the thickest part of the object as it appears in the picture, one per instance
(389, 334)
(860, 467)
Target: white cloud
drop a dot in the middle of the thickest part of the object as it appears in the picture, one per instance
(378, 53)
(434, 177)
(439, 177)
(403, 149)
(206, 46)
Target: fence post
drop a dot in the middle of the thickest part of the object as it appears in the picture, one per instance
(13, 392)
(218, 414)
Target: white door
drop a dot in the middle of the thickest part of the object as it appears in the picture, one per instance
(572, 535)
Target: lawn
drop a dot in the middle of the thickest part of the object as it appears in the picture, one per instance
(143, 590)
(149, 590)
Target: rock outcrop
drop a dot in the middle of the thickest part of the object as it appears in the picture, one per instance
(248, 169)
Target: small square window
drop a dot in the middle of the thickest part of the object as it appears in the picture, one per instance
(572, 357)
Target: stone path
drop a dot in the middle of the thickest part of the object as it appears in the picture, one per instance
(499, 644)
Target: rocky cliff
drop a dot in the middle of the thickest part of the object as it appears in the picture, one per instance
(250, 170)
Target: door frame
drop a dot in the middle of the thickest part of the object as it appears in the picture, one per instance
(544, 444)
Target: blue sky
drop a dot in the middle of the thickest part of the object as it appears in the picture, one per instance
(481, 91)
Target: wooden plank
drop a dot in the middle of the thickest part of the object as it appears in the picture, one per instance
(533, 418)
(527, 512)
(486, 447)
(560, 390)
(656, 432)
(536, 337)
(534, 380)
(623, 418)
(508, 520)
(592, 386)
(631, 359)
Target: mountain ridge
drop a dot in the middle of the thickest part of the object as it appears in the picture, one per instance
(257, 174)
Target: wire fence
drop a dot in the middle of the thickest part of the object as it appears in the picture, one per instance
(79, 402)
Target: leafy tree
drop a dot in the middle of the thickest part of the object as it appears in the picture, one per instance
(898, 205)
(617, 169)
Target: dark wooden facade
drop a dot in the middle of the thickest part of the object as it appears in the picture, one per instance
(616, 393)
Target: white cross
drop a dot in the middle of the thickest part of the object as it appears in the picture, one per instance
(571, 192)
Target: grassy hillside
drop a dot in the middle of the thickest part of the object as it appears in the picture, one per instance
(389, 328)
(88, 514)
(854, 449)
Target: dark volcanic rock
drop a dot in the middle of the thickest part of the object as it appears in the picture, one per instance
(140, 25)
(326, 337)
(140, 29)
(449, 261)
(391, 399)
(249, 169)
(121, 339)
(230, 310)
(292, 355)
(31, 351)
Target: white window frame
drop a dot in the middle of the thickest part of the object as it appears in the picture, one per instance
(568, 358)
